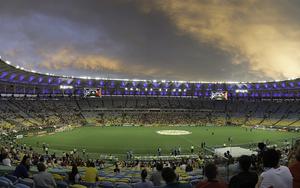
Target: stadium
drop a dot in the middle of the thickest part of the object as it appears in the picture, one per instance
(140, 116)
(119, 129)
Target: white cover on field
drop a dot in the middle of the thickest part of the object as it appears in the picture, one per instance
(234, 151)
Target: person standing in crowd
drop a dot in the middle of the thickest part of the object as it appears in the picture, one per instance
(156, 177)
(189, 168)
(295, 169)
(159, 151)
(6, 160)
(22, 170)
(2, 153)
(91, 173)
(127, 155)
(211, 172)
(274, 176)
(144, 183)
(171, 179)
(43, 179)
(245, 178)
(192, 149)
(74, 176)
(117, 169)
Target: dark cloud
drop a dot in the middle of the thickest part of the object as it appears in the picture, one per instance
(134, 39)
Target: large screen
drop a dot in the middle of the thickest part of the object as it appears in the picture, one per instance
(219, 95)
(92, 92)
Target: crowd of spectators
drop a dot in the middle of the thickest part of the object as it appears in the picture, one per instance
(267, 169)
(270, 168)
(29, 114)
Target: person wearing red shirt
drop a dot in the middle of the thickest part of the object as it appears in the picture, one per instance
(210, 171)
(295, 170)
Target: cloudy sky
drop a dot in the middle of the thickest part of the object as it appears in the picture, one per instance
(206, 40)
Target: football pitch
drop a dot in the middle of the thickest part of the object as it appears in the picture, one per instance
(146, 140)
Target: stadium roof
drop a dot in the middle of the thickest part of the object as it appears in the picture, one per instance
(18, 80)
(12, 73)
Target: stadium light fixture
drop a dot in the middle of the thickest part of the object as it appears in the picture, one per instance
(65, 87)
(241, 91)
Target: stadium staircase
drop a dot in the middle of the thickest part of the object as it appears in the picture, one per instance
(11, 121)
(285, 114)
(282, 118)
(80, 112)
(21, 112)
(294, 122)
(18, 114)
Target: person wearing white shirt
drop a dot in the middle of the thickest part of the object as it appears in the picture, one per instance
(6, 160)
(274, 176)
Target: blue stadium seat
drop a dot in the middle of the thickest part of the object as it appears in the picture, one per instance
(6, 181)
(62, 184)
(26, 181)
(107, 185)
(123, 185)
(195, 182)
(4, 184)
(89, 185)
(19, 185)
(12, 178)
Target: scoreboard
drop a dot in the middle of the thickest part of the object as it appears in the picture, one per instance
(92, 92)
(219, 95)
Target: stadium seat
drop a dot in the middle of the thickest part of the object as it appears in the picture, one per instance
(122, 185)
(195, 182)
(8, 181)
(77, 186)
(12, 178)
(58, 177)
(4, 184)
(26, 181)
(123, 180)
(20, 185)
(107, 184)
(135, 180)
(89, 185)
(61, 184)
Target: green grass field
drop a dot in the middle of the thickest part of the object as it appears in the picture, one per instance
(145, 140)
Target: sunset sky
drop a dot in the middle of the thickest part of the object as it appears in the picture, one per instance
(200, 40)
